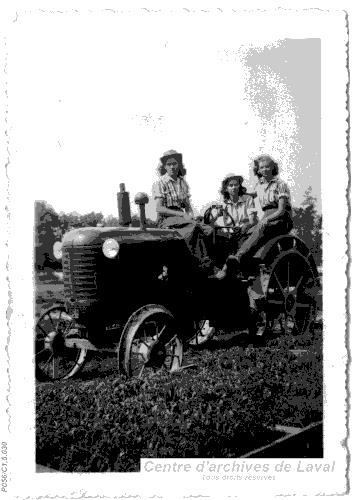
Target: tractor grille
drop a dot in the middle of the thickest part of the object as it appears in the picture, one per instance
(80, 266)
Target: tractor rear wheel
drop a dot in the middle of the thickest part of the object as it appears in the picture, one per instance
(290, 288)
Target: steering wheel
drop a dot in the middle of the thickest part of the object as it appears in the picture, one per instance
(214, 212)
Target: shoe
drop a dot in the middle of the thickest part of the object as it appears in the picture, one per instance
(164, 275)
(231, 269)
(233, 264)
(221, 274)
(260, 331)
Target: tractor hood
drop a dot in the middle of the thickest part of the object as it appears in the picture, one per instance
(95, 235)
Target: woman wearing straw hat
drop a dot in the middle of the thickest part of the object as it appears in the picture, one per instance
(238, 212)
(238, 209)
(173, 206)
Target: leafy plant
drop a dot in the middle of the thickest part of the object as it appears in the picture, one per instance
(227, 408)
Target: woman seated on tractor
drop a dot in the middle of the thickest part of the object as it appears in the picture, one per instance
(238, 210)
(274, 198)
(173, 206)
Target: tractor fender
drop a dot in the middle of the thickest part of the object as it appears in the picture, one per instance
(286, 242)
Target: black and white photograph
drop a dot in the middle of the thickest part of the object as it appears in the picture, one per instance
(176, 193)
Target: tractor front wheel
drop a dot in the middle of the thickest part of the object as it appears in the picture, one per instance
(150, 342)
(54, 360)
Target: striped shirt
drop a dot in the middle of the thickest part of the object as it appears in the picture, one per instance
(172, 193)
(269, 193)
(239, 211)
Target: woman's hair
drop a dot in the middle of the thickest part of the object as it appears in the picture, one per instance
(178, 157)
(275, 167)
(242, 190)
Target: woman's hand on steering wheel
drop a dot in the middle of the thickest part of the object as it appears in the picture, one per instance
(210, 218)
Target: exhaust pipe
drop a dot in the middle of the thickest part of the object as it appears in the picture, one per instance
(124, 207)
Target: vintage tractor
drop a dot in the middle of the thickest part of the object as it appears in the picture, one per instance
(138, 292)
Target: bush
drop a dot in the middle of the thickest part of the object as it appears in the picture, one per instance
(226, 409)
(308, 225)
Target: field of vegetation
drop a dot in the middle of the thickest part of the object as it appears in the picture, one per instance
(227, 404)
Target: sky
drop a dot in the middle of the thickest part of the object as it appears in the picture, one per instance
(95, 100)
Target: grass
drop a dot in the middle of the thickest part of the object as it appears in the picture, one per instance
(226, 406)
(49, 291)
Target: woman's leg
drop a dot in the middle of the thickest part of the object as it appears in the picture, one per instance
(257, 289)
(260, 235)
(198, 238)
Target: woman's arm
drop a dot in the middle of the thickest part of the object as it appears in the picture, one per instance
(252, 212)
(188, 207)
(281, 209)
(253, 218)
(161, 209)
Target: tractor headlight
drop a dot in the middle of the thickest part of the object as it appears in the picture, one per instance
(57, 250)
(110, 248)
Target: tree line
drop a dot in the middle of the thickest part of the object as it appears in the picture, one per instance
(51, 227)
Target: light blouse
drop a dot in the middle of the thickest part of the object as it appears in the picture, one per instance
(239, 211)
(173, 193)
(269, 193)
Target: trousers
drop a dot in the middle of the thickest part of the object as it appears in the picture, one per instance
(198, 237)
(260, 234)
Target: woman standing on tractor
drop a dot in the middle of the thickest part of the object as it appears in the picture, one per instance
(173, 206)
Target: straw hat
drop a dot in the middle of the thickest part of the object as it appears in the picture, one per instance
(228, 177)
(169, 154)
